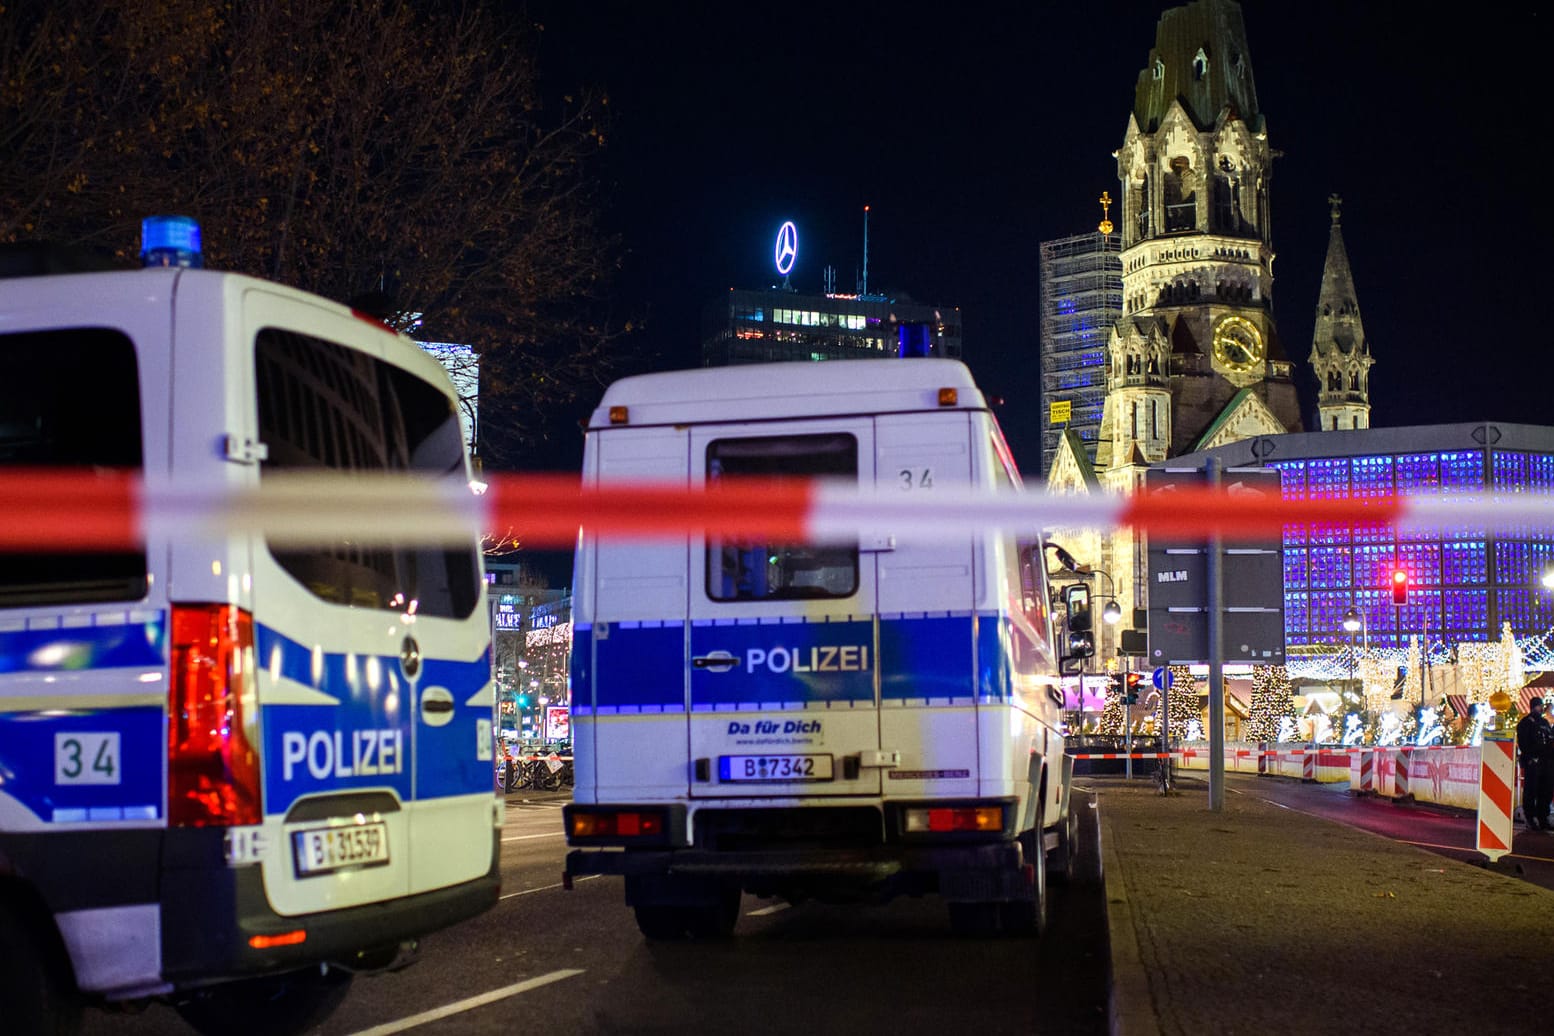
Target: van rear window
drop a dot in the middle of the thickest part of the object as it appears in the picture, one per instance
(739, 570)
(322, 405)
(70, 398)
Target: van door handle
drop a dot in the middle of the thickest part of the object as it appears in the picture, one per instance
(716, 660)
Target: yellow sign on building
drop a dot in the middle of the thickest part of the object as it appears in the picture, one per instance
(1060, 411)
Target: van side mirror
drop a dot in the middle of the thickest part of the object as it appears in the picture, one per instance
(1076, 602)
(1076, 606)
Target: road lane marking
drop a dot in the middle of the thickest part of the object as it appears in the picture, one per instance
(459, 1007)
(557, 885)
(547, 834)
(769, 910)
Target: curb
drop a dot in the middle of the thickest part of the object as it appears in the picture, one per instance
(1129, 1006)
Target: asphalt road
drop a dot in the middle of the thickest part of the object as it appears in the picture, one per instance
(574, 962)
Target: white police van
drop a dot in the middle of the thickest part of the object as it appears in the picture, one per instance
(835, 721)
(232, 773)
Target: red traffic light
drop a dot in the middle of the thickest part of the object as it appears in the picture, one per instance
(1400, 587)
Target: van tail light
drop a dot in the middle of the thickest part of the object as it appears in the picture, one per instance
(212, 769)
(954, 820)
(623, 825)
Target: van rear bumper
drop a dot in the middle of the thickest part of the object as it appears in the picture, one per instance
(210, 913)
(961, 872)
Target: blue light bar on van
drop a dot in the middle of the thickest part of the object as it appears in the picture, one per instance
(170, 241)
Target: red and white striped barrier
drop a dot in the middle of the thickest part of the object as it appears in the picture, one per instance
(49, 508)
(1497, 779)
(1445, 775)
(1362, 771)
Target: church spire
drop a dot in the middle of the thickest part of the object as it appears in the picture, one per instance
(1340, 352)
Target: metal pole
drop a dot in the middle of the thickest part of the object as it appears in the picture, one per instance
(1127, 727)
(1083, 666)
(1215, 571)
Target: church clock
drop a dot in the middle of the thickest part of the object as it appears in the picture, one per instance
(1238, 344)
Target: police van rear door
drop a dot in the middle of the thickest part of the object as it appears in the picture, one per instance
(783, 678)
(83, 632)
(374, 667)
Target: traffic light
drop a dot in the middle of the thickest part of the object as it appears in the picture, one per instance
(1400, 587)
(1132, 695)
(1117, 688)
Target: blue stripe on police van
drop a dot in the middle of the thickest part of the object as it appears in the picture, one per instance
(337, 675)
(927, 657)
(782, 706)
(93, 765)
(103, 645)
(580, 668)
(447, 760)
(643, 667)
(827, 664)
(364, 738)
(995, 680)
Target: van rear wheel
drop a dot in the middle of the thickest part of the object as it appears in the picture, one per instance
(35, 989)
(979, 920)
(672, 922)
(274, 1005)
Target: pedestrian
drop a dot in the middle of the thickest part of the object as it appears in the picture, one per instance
(1535, 744)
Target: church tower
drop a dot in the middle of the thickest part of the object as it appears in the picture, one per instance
(1340, 352)
(1196, 359)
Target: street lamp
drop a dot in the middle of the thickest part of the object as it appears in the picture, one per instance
(1354, 622)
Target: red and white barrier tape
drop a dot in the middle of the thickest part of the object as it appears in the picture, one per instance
(82, 509)
(1273, 753)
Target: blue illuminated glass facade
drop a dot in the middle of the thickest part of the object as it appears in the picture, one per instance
(1463, 581)
(1081, 298)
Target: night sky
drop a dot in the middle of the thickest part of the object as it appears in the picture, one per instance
(975, 131)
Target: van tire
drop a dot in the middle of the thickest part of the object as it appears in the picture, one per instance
(1077, 859)
(671, 923)
(1029, 916)
(1084, 855)
(976, 920)
(273, 1005)
(37, 994)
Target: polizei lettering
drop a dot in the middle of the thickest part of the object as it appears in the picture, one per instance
(834, 659)
(344, 753)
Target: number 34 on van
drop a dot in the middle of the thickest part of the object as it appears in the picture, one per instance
(339, 753)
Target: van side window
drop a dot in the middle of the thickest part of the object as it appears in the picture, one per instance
(1025, 550)
(322, 405)
(70, 398)
(739, 570)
